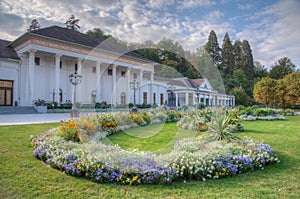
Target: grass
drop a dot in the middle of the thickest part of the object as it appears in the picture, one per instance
(22, 176)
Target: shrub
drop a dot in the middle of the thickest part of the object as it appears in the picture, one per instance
(108, 123)
(130, 105)
(142, 118)
(219, 129)
(264, 112)
(69, 131)
(173, 115)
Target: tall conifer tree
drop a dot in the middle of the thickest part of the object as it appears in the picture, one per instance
(227, 55)
(248, 65)
(213, 49)
(238, 54)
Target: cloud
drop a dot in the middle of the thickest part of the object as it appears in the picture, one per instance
(276, 33)
(184, 4)
(244, 6)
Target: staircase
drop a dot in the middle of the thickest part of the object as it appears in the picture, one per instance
(17, 110)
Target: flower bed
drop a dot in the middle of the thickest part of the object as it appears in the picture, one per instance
(191, 159)
(74, 148)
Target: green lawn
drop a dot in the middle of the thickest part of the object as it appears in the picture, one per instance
(22, 176)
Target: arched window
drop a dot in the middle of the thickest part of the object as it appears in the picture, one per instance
(123, 98)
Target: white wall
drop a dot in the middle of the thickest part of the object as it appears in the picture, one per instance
(10, 70)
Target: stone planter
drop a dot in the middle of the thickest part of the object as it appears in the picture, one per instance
(41, 109)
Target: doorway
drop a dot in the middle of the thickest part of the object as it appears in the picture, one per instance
(6, 92)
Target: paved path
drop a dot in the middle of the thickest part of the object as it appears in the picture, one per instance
(16, 119)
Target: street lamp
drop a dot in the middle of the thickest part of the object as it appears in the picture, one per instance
(134, 85)
(75, 79)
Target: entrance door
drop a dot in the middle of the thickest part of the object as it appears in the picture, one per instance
(6, 92)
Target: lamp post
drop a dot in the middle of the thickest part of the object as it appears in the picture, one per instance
(75, 79)
(134, 85)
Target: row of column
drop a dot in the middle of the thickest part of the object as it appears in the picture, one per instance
(213, 100)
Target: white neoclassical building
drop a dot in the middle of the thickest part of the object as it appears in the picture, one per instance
(37, 65)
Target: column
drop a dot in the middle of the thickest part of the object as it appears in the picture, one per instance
(204, 100)
(98, 77)
(128, 74)
(79, 86)
(187, 98)
(57, 78)
(114, 84)
(31, 77)
(233, 101)
(176, 101)
(151, 87)
(140, 89)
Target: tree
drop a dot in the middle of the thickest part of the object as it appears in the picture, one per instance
(260, 71)
(227, 55)
(98, 33)
(280, 92)
(241, 97)
(213, 49)
(281, 68)
(237, 54)
(264, 91)
(247, 60)
(292, 93)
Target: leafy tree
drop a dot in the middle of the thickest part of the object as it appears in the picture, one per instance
(259, 70)
(280, 92)
(264, 91)
(241, 97)
(98, 33)
(247, 60)
(292, 93)
(213, 49)
(281, 68)
(227, 56)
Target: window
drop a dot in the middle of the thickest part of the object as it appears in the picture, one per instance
(134, 76)
(123, 98)
(76, 67)
(94, 69)
(109, 72)
(145, 97)
(161, 99)
(123, 73)
(37, 61)
(60, 64)
(154, 97)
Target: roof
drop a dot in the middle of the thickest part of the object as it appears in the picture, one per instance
(6, 51)
(197, 82)
(75, 37)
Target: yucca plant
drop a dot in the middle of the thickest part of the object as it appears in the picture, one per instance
(220, 129)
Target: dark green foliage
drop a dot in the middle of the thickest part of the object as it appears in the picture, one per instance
(241, 97)
(213, 49)
(227, 56)
(247, 60)
(238, 54)
(281, 68)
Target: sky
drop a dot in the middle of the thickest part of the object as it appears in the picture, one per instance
(270, 26)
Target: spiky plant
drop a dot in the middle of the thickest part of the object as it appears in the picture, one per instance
(219, 129)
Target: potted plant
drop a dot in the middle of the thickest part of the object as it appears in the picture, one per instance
(40, 106)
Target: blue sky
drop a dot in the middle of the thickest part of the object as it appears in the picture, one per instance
(271, 26)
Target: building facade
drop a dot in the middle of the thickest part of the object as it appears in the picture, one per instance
(38, 64)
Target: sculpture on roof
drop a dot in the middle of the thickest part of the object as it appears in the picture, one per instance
(72, 23)
(35, 25)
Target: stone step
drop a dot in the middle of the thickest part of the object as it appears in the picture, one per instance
(17, 110)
